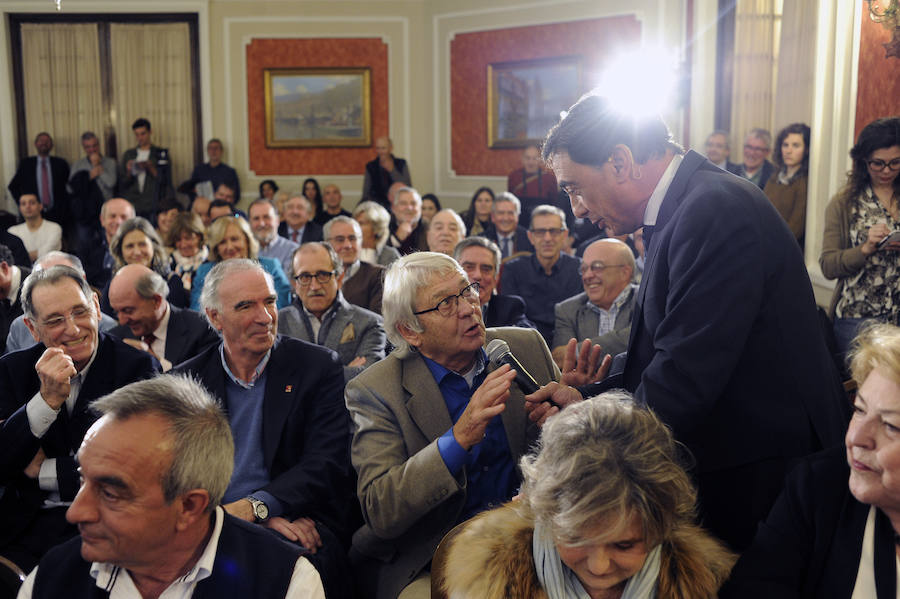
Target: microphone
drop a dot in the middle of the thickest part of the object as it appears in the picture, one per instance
(498, 352)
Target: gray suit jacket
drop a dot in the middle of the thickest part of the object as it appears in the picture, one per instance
(351, 331)
(408, 497)
(575, 319)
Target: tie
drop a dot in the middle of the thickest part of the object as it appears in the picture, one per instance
(45, 184)
(504, 249)
(149, 339)
(294, 236)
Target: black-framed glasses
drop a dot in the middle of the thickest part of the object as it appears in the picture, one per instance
(596, 267)
(340, 239)
(322, 276)
(543, 232)
(877, 164)
(449, 306)
(751, 148)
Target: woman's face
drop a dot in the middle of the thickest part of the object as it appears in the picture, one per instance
(606, 563)
(233, 244)
(188, 244)
(429, 209)
(873, 442)
(268, 191)
(368, 231)
(309, 190)
(884, 177)
(792, 150)
(483, 204)
(137, 248)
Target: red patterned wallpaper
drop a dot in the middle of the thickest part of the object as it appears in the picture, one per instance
(300, 53)
(878, 91)
(470, 53)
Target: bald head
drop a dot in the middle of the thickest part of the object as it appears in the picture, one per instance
(138, 295)
(606, 269)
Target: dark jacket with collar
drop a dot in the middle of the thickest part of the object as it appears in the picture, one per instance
(768, 169)
(187, 335)
(506, 311)
(25, 181)
(312, 231)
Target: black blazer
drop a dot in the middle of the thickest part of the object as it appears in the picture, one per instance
(116, 365)
(311, 232)
(521, 243)
(25, 181)
(188, 335)
(768, 169)
(306, 428)
(11, 312)
(506, 311)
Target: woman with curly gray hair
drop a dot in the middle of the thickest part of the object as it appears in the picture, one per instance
(606, 511)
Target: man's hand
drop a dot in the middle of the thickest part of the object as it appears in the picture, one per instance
(33, 469)
(242, 508)
(539, 409)
(54, 369)
(487, 401)
(150, 167)
(357, 361)
(588, 368)
(301, 530)
(404, 229)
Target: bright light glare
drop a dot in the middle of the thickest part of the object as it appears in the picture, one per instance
(640, 82)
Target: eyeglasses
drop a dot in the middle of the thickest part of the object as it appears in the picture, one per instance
(340, 239)
(597, 267)
(449, 306)
(79, 314)
(879, 165)
(322, 276)
(749, 148)
(543, 232)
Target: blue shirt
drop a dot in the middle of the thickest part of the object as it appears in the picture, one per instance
(490, 471)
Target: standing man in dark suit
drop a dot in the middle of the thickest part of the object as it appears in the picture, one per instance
(756, 167)
(363, 282)
(150, 323)
(297, 225)
(284, 400)
(47, 176)
(725, 343)
(507, 233)
(45, 392)
(11, 279)
(143, 171)
(480, 258)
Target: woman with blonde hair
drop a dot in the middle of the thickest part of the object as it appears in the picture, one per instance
(606, 511)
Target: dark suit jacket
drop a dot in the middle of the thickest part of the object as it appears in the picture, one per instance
(115, 365)
(188, 335)
(521, 243)
(306, 429)
(725, 344)
(9, 313)
(25, 181)
(506, 311)
(17, 247)
(810, 545)
(366, 287)
(147, 200)
(768, 169)
(311, 232)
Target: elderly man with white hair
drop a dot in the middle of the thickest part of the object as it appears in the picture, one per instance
(437, 429)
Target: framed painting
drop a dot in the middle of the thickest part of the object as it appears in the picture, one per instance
(525, 98)
(318, 107)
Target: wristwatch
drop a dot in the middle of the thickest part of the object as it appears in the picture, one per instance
(260, 509)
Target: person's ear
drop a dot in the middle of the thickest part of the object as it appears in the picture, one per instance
(33, 329)
(191, 506)
(411, 337)
(213, 316)
(624, 165)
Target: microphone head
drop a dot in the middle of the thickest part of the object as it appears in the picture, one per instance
(496, 349)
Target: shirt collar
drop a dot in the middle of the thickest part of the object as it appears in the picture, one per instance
(616, 304)
(439, 372)
(256, 373)
(651, 212)
(160, 332)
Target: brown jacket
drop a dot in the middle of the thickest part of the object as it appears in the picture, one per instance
(838, 260)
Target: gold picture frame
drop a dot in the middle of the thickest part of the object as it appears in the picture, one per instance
(313, 107)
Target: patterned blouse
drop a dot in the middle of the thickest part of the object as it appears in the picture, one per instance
(874, 291)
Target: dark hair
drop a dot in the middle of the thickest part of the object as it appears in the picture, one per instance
(434, 199)
(316, 200)
(6, 255)
(186, 222)
(879, 134)
(220, 204)
(592, 128)
(469, 215)
(801, 129)
(270, 182)
(141, 122)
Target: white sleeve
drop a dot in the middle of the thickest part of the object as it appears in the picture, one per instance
(40, 415)
(305, 582)
(27, 586)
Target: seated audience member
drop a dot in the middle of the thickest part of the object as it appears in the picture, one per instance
(445, 231)
(478, 217)
(532, 184)
(331, 205)
(187, 237)
(506, 232)
(101, 170)
(200, 207)
(408, 232)
(602, 313)
(150, 323)
(284, 403)
(297, 224)
(142, 172)
(230, 237)
(313, 193)
(46, 176)
(383, 172)
(168, 210)
(267, 189)
(19, 336)
(319, 313)
(264, 222)
(718, 150)
(429, 444)
(787, 189)
(480, 258)
(226, 193)
(93, 181)
(11, 279)
(220, 207)
(375, 222)
(215, 171)
(94, 253)
(16, 246)
(45, 392)
(756, 168)
(137, 243)
(431, 205)
(548, 276)
(833, 530)
(280, 202)
(363, 282)
(162, 453)
(606, 510)
(39, 235)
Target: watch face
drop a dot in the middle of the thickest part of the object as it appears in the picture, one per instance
(261, 510)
